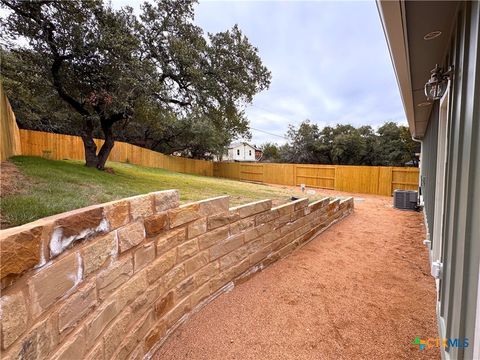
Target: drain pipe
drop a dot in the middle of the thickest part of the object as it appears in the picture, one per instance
(427, 242)
(436, 267)
(420, 198)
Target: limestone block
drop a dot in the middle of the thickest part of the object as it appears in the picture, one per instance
(214, 206)
(164, 305)
(319, 204)
(187, 250)
(213, 237)
(197, 227)
(117, 213)
(161, 265)
(98, 252)
(77, 306)
(156, 223)
(114, 276)
(170, 239)
(183, 214)
(141, 206)
(197, 262)
(20, 250)
(143, 256)
(253, 208)
(165, 200)
(130, 235)
(100, 320)
(227, 245)
(53, 282)
(77, 225)
(14, 316)
(222, 219)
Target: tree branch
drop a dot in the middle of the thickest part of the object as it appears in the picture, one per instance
(174, 101)
(57, 83)
(58, 59)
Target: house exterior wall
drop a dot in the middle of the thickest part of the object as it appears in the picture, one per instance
(428, 166)
(458, 303)
(242, 152)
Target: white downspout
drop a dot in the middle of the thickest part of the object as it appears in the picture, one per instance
(427, 241)
(420, 168)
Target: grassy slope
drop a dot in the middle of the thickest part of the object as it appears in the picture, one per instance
(53, 187)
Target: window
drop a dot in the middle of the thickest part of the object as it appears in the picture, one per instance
(250, 152)
(238, 151)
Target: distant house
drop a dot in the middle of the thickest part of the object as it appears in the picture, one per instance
(243, 151)
(258, 154)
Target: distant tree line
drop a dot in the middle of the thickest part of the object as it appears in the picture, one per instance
(390, 145)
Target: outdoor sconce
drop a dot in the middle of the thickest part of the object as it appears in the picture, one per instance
(438, 83)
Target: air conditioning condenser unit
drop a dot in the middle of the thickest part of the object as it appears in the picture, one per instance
(405, 199)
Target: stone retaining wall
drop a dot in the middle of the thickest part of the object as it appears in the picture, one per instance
(113, 280)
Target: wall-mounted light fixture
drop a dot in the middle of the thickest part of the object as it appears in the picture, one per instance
(438, 82)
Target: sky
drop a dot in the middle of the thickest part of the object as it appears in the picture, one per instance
(329, 62)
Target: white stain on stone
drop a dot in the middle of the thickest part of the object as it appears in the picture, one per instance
(75, 278)
(114, 253)
(58, 243)
(104, 226)
(79, 269)
(43, 260)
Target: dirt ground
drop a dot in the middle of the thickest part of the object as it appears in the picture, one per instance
(360, 290)
(12, 181)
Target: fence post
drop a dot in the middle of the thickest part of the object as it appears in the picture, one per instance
(295, 174)
(335, 177)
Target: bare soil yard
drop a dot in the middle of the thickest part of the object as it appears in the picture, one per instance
(360, 290)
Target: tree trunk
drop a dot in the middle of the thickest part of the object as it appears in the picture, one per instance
(107, 145)
(89, 145)
(92, 159)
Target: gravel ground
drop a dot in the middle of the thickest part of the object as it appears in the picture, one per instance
(360, 290)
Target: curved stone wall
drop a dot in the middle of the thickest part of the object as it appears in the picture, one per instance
(114, 280)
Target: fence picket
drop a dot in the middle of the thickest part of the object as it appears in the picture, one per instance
(381, 180)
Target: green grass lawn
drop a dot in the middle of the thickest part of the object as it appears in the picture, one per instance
(51, 187)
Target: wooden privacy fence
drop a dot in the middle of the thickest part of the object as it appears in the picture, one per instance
(9, 134)
(381, 180)
(58, 147)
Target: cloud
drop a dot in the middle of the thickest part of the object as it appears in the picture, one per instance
(329, 61)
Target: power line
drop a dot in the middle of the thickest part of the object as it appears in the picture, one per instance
(269, 133)
(295, 121)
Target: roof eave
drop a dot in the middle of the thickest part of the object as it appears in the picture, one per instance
(392, 15)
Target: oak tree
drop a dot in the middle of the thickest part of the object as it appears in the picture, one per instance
(110, 66)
